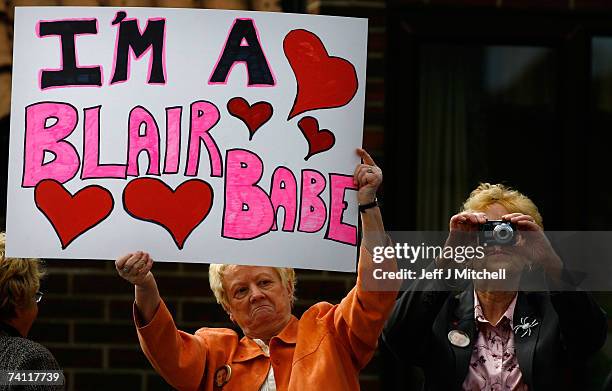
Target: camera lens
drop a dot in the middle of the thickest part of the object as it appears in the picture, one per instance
(503, 233)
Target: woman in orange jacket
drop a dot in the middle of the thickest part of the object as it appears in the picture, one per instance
(324, 349)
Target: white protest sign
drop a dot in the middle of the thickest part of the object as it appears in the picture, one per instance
(195, 135)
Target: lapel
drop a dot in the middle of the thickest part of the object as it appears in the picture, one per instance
(248, 349)
(463, 321)
(525, 346)
(289, 334)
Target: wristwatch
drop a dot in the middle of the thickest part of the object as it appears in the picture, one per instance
(364, 207)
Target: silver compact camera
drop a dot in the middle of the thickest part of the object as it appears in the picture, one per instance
(497, 232)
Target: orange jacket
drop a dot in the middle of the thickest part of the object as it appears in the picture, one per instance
(324, 350)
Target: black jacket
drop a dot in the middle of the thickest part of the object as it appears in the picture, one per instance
(571, 327)
(18, 353)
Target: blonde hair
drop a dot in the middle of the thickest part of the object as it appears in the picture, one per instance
(19, 281)
(514, 201)
(215, 278)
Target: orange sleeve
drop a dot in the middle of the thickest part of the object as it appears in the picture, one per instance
(361, 316)
(177, 356)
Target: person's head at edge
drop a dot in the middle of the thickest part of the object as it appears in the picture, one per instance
(258, 299)
(19, 283)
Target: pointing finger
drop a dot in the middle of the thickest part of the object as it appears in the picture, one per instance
(367, 159)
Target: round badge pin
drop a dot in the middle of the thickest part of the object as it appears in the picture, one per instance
(458, 338)
(222, 375)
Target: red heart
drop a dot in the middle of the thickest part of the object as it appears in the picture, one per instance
(318, 140)
(72, 215)
(179, 211)
(253, 116)
(322, 81)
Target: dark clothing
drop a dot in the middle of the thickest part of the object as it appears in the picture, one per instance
(17, 353)
(571, 326)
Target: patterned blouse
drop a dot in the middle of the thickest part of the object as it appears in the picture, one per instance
(493, 366)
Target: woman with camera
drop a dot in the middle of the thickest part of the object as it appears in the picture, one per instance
(494, 335)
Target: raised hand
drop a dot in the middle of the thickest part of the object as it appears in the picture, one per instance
(135, 267)
(367, 177)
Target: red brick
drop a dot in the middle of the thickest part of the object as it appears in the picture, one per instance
(377, 41)
(72, 308)
(340, 275)
(101, 284)
(105, 333)
(122, 309)
(321, 290)
(375, 91)
(464, 3)
(184, 286)
(127, 358)
(76, 357)
(299, 309)
(405, 2)
(165, 267)
(302, 273)
(72, 264)
(54, 283)
(94, 381)
(376, 16)
(374, 115)
(545, 4)
(49, 331)
(376, 67)
(203, 312)
(373, 140)
(195, 267)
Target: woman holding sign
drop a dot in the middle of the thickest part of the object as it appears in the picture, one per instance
(325, 348)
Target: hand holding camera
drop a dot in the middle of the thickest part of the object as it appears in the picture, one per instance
(515, 230)
(463, 233)
(531, 243)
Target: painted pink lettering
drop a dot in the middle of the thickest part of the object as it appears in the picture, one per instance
(248, 212)
(313, 212)
(204, 116)
(283, 193)
(173, 139)
(336, 229)
(40, 138)
(148, 142)
(91, 149)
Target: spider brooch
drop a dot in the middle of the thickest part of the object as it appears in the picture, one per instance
(524, 327)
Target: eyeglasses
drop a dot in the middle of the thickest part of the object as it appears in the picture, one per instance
(38, 296)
